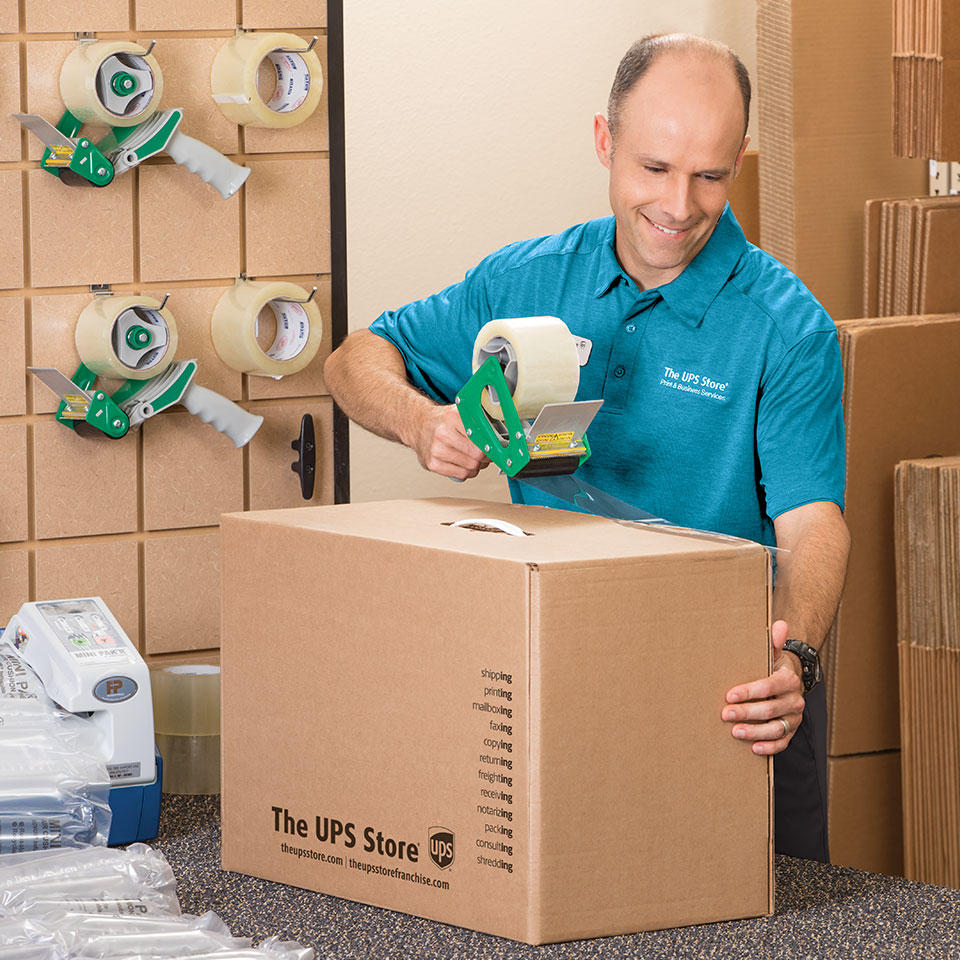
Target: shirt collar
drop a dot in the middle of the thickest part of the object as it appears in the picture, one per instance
(691, 293)
(609, 270)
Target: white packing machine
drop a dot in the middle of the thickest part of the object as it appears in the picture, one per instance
(89, 666)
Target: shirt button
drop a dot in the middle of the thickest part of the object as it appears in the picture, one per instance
(619, 371)
(631, 328)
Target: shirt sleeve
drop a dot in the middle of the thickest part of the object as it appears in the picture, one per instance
(435, 336)
(800, 439)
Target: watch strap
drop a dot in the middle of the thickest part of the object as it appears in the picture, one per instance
(809, 662)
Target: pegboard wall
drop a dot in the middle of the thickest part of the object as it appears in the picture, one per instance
(135, 520)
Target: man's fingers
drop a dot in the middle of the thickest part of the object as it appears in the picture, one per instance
(781, 681)
(766, 748)
(758, 710)
(447, 450)
(771, 730)
(769, 737)
(449, 464)
(762, 710)
(450, 433)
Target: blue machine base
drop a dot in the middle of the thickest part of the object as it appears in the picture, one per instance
(136, 810)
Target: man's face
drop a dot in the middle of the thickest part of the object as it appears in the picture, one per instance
(678, 147)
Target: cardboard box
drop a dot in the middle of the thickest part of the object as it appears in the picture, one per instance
(900, 400)
(519, 735)
(863, 799)
(745, 197)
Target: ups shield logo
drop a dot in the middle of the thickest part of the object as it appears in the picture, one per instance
(441, 846)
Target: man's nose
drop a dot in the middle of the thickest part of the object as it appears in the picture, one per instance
(675, 202)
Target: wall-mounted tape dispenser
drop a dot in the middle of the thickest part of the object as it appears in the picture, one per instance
(88, 665)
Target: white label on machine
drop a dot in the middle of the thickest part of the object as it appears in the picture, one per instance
(17, 682)
(84, 632)
(124, 771)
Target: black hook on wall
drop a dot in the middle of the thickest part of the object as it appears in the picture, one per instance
(306, 448)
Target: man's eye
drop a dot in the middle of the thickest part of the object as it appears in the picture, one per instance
(650, 169)
(710, 177)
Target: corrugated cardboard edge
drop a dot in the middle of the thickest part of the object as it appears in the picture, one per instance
(775, 100)
(534, 932)
(771, 829)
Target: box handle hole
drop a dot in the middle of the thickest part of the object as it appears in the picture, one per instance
(490, 525)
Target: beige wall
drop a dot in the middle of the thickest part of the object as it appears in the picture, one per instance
(135, 520)
(469, 126)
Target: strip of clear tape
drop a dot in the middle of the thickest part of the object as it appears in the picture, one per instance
(586, 498)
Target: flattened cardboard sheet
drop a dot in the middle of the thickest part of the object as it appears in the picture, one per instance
(928, 556)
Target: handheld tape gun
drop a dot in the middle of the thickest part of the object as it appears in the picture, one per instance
(119, 84)
(518, 405)
(134, 339)
(88, 665)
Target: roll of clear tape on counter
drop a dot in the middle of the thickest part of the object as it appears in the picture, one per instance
(186, 718)
(126, 338)
(115, 82)
(235, 328)
(235, 72)
(539, 359)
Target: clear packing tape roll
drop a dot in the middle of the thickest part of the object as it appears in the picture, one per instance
(234, 80)
(126, 338)
(539, 360)
(186, 717)
(235, 327)
(114, 82)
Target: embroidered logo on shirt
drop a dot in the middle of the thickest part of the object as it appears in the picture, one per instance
(695, 382)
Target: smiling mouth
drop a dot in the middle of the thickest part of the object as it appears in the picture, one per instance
(666, 231)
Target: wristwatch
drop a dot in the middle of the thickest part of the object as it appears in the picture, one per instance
(809, 662)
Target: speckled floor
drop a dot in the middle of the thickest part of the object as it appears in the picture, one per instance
(821, 912)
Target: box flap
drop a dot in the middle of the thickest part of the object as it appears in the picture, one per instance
(554, 536)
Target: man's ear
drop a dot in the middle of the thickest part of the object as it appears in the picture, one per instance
(743, 150)
(602, 139)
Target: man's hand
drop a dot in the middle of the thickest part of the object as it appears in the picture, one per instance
(442, 445)
(755, 708)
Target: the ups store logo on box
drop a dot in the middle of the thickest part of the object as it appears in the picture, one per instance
(441, 846)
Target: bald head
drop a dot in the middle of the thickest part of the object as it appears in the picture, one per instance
(645, 52)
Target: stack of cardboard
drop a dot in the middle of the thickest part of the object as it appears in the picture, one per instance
(926, 78)
(928, 605)
(910, 249)
(824, 89)
(900, 402)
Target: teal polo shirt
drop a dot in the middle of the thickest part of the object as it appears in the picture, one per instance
(721, 389)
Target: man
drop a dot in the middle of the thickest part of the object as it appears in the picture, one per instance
(672, 296)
